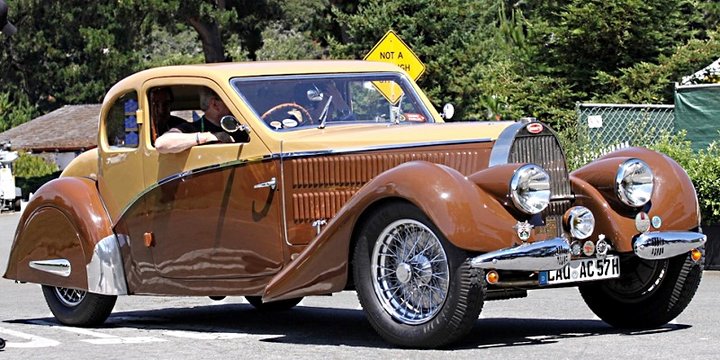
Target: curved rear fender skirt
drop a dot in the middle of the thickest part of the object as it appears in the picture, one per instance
(467, 216)
(673, 199)
(65, 219)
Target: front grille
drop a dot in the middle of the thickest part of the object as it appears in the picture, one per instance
(544, 150)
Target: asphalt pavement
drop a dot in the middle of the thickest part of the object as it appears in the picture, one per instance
(548, 324)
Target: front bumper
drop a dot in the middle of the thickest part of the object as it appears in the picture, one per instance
(658, 245)
(550, 254)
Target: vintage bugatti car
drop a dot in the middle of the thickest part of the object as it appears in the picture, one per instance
(347, 178)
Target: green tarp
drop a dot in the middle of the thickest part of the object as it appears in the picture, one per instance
(697, 110)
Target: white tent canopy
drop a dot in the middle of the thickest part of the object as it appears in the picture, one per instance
(712, 69)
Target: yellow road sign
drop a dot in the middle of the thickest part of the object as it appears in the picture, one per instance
(393, 50)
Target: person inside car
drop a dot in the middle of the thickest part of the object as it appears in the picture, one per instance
(161, 99)
(205, 130)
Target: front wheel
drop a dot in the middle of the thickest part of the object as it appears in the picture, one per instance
(77, 307)
(417, 289)
(649, 293)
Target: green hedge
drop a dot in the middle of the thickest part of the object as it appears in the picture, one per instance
(31, 172)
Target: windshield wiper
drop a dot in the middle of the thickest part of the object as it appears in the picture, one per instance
(324, 113)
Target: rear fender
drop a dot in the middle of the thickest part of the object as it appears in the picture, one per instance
(673, 199)
(64, 238)
(468, 217)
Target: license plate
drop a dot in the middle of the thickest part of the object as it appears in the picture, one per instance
(582, 270)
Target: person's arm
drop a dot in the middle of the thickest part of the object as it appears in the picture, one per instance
(175, 141)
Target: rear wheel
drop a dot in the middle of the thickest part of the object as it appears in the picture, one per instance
(77, 307)
(649, 293)
(417, 289)
(280, 305)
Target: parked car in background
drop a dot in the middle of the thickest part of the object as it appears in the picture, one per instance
(10, 195)
(346, 178)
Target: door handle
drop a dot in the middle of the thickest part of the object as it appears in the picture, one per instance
(271, 184)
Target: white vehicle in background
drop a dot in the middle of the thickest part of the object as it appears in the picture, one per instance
(10, 195)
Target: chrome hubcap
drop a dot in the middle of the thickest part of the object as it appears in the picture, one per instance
(410, 272)
(69, 297)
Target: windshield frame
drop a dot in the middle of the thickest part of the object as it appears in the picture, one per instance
(410, 94)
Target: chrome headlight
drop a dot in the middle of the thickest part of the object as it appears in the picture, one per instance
(581, 222)
(530, 189)
(634, 182)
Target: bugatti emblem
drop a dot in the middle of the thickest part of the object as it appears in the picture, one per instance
(523, 230)
(534, 128)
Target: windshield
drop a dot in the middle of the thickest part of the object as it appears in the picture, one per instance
(303, 101)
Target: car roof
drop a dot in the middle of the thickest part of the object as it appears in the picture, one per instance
(222, 72)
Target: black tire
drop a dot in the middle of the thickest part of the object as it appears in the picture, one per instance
(77, 307)
(648, 294)
(404, 282)
(2, 343)
(216, 298)
(280, 305)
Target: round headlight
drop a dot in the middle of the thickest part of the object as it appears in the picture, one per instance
(634, 182)
(530, 189)
(581, 222)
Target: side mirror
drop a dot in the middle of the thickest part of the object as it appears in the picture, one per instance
(231, 125)
(315, 95)
(448, 111)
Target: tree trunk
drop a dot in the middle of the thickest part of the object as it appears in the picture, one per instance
(209, 33)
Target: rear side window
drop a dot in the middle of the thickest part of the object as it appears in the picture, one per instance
(121, 124)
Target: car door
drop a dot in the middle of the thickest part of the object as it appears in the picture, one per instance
(202, 216)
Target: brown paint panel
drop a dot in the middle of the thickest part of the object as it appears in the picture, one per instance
(48, 235)
(466, 215)
(64, 219)
(673, 197)
(320, 186)
(209, 227)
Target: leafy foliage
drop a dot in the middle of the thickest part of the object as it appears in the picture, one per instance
(31, 172)
(703, 167)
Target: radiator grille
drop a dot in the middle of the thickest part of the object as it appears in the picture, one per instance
(544, 150)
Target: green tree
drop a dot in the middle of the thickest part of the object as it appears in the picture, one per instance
(449, 36)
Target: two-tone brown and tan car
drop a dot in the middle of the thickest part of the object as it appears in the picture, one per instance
(347, 178)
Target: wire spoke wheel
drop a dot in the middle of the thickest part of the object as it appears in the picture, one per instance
(69, 297)
(410, 272)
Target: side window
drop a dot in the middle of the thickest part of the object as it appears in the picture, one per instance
(121, 123)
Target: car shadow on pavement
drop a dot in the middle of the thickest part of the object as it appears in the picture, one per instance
(346, 327)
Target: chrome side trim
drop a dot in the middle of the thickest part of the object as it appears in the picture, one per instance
(501, 150)
(59, 267)
(282, 197)
(105, 272)
(379, 147)
(656, 245)
(550, 254)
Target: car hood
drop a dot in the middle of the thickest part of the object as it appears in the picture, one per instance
(341, 138)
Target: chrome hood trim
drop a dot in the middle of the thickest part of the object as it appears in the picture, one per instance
(105, 272)
(550, 254)
(656, 245)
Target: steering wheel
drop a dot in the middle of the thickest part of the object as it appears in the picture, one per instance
(305, 113)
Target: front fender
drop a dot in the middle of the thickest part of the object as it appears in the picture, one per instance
(468, 217)
(66, 223)
(673, 199)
